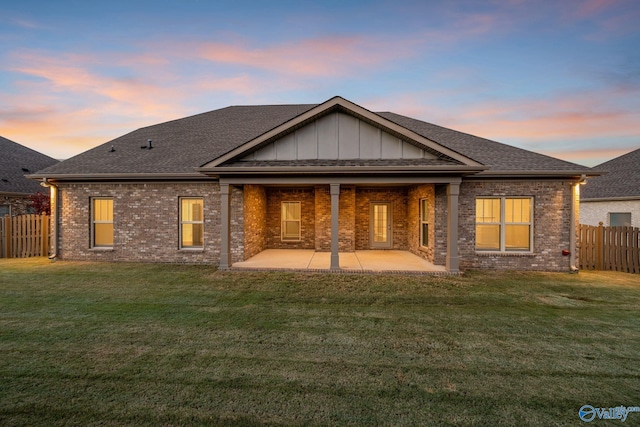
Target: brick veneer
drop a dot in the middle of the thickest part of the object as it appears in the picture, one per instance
(20, 205)
(551, 227)
(306, 197)
(146, 222)
(415, 193)
(255, 220)
(398, 198)
(346, 220)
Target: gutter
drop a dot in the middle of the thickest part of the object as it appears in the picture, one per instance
(54, 217)
(347, 170)
(120, 176)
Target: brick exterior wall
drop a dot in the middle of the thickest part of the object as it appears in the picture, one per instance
(397, 196)
(306, 197)
(20, 205)
(551, 225)
(146, 222)
(414, 195)
(592, 213)
(346, 220)
(255, 220)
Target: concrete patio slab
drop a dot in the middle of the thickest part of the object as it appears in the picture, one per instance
(307, 259)
(298, 259)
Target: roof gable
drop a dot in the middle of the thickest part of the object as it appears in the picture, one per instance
(339, 136)
(340, 129)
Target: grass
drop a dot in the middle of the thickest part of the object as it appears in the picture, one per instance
(130, 344)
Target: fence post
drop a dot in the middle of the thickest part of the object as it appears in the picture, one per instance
(8, 235)
(600, 246)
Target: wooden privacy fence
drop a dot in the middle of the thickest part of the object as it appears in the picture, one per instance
(24, 236)
(610, 248)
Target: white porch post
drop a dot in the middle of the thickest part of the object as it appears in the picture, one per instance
(335, 200)
(452, 260)
(225, 227)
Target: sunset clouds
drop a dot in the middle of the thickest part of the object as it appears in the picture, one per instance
(559, 78)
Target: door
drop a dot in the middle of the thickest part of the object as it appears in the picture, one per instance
(380, 235)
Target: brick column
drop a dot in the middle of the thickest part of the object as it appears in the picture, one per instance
(225, 227)
(452, 260)
(335, 204)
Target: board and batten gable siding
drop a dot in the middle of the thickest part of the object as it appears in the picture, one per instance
(338, 136)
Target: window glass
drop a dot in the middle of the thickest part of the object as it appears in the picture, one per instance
(517, 237)
(5, 210)
(504, 224)
(102, 212)
(424, 222)
(291, 229)
(620, 219)
(488, 237)
(191, 222)
(487, 210)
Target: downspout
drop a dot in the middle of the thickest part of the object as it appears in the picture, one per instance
(575, 194)
(53, 197)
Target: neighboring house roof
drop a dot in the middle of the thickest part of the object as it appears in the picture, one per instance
(621, 180)
(16, 161)
(182, 146)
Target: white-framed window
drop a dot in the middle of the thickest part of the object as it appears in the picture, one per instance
(5, 210)
(192, 222)
(504, 224)
(101, 222)
(424, 222)
(620, 219)
(290, 221)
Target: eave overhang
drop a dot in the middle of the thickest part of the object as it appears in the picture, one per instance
(102, 177)
(342, 170)
(612, 199)
(520, 174)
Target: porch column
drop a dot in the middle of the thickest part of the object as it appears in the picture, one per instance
(335, 200)
(225, 227)
(452, 260)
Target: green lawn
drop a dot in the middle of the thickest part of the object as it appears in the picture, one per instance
(130, 344)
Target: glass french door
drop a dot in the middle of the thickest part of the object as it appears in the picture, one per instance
(381, 232)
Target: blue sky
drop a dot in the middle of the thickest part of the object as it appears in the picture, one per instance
(561, 78)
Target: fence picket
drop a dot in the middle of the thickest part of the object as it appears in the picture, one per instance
(24, 236)
(609, 248)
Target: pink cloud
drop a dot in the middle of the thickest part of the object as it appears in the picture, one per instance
(323, 57)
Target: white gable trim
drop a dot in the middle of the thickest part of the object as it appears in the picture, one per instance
(350, 107)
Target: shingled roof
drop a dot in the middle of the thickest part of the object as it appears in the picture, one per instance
(622, 179)
(16, 161)
(181, 146)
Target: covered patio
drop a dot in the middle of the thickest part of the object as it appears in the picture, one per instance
(357, 261)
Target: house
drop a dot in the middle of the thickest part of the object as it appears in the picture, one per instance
(222, 186)
(614, 197)
(16, 161)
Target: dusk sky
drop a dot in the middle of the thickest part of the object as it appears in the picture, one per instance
(560, 77)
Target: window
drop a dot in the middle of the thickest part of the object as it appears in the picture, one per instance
(191, 223)
(290, 221)
(5, 210)
(424, 222)
(102, 222)
(504, 224)
(620, 219)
